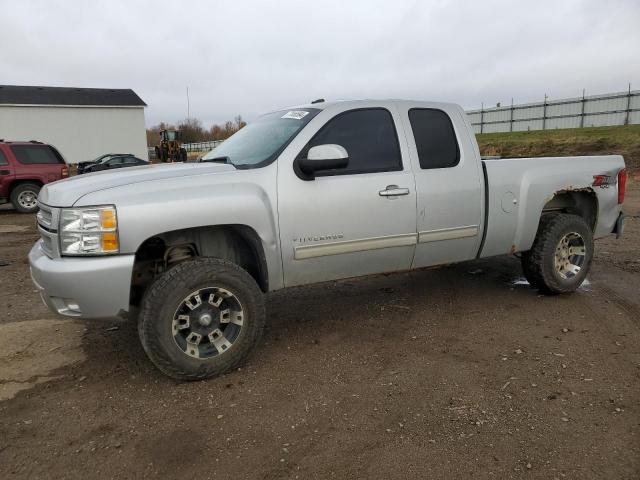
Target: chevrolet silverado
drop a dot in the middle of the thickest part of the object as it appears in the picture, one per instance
(308, 194)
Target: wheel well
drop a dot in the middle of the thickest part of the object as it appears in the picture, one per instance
(578, 202)
(15, 183)
(239, 244)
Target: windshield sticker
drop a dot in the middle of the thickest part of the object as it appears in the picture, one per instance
(295, 114)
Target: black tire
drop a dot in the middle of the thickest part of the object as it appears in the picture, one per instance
(168, 292)
(183, 155)
(24, 197)
(539, 263)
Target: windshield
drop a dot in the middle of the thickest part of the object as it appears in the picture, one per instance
(171, 135)
(260, 142)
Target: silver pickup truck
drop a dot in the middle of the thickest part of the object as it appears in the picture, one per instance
(308, 194)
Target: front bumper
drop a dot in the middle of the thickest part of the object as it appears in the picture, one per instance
(89, 287)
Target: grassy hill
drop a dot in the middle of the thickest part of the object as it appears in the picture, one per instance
(623, 140)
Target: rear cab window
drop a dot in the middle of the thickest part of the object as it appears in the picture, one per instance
(435, 138)
(3, 158)
(36, 155)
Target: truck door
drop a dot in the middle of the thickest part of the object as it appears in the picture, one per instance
(6, 174)
(448, 183)
(353, 221)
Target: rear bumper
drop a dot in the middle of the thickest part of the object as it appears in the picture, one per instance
(92, 287)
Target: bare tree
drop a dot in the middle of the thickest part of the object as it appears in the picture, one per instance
(192, 130)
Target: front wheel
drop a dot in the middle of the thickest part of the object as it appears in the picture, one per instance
(561, 255)
(201, 318)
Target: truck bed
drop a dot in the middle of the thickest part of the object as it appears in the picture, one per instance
(517, 189)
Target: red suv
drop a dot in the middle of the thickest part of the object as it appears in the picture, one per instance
(24, 168)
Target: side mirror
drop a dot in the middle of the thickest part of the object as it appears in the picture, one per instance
(322, 157)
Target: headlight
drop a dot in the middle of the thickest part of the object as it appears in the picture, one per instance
(89, 231)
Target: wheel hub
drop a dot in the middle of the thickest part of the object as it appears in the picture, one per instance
(207, 322)
(205, 319)
(570, 255)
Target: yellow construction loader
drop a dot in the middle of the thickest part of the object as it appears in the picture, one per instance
(170, 148)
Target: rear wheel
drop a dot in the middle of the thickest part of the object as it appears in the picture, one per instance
(25, 197)
(201, 318)
(561, 255)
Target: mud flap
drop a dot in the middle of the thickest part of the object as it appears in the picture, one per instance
(619, 227)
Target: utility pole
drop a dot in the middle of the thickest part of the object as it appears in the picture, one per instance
(188, 105)
(544, 112)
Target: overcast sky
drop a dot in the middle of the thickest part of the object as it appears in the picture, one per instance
(247, 57)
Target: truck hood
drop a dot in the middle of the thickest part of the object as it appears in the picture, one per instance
(65, 193)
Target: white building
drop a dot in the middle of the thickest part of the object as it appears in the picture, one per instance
(82, 123)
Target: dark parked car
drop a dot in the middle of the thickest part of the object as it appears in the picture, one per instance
(83, 165)
(24, 168)
(114, 161)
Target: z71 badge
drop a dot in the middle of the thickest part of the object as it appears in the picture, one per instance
(603, 181)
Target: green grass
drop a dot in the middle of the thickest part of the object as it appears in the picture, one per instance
(623, 140)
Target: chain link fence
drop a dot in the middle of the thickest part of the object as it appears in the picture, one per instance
(201, 146)
(189, 147)
(622, 108)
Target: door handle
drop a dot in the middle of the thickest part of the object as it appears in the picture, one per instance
(5, 172)
(393, 191)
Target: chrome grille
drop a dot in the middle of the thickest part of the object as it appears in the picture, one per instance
(45, 216)
(47, 219)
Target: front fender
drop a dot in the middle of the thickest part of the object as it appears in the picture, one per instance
(150, 208)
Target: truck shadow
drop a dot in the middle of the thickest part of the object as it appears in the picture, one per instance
(366, 308)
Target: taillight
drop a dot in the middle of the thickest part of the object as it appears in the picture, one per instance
(65, 171)
(622, 185)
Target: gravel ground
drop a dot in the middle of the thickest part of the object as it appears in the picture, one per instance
(457, 372)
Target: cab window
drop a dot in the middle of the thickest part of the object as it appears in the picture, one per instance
(369, 136)
(435, 138)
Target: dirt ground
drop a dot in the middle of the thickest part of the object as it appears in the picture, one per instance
(459, 372)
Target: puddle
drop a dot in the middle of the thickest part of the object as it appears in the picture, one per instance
(586, 284)
(31, 350)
